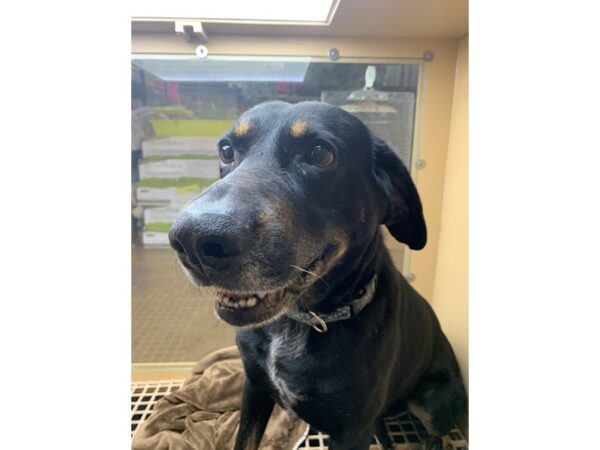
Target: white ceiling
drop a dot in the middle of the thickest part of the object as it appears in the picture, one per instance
(357, 18)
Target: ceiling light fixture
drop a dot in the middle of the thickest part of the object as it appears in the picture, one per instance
(304, 11)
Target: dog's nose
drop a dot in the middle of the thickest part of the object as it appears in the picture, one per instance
(209, 242)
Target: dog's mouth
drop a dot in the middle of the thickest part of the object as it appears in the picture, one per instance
(243, 301)
(251, 309)
(247, 308)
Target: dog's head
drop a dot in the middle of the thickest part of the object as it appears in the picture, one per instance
(301, 186)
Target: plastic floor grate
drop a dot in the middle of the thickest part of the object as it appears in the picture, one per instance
(405, 430)
(144, 395)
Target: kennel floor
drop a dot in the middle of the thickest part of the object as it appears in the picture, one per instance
(405, 430)
(172, 321)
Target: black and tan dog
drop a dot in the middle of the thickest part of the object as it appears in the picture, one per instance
(290, 239)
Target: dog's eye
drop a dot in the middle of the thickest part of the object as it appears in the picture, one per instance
(226, 153)
(320, 156)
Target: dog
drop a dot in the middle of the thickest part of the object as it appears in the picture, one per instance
(290, 238)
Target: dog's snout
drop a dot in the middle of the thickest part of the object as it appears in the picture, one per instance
(209, 242)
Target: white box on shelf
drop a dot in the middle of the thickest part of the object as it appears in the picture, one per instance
(160, 214)
(177, 168)
(163, 192)
(152, 238)
(180, 145)
(155, 195)
(182, 198)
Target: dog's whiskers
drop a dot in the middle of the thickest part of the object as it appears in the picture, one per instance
(309, 272)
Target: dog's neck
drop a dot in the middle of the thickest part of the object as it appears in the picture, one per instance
(343, 283)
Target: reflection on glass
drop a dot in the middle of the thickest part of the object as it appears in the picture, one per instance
(180, 106)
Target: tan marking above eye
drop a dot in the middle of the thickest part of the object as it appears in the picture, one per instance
(299, 127)
(242, 128)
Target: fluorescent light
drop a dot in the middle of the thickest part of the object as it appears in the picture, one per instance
(246, 10)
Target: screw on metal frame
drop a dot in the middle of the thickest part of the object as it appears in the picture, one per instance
(202, 51)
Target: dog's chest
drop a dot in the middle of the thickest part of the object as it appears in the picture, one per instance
(287, 349)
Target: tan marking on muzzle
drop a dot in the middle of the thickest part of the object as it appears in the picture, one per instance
(343, 242)
(242, 128)
(299, 128)
(266, 216)
(275, 215)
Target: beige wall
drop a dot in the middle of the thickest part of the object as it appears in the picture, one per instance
(450, 289)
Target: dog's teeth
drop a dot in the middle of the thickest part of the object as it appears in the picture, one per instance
(249, 301)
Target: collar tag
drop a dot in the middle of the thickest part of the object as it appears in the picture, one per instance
(322, 326)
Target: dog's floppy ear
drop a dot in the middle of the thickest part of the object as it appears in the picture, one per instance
(403, 211)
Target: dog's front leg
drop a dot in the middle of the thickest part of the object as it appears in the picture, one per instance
(257, 406)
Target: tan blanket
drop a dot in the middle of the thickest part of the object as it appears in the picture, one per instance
(205, 413)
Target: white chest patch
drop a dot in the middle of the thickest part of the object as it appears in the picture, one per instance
(290, 344)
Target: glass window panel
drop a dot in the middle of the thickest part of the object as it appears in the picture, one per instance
(180, 106)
